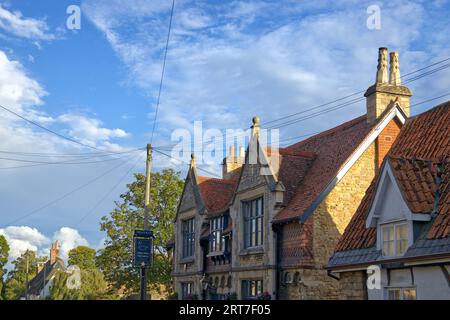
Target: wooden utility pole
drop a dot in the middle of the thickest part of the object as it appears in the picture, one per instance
(147, 186)
(146, 215)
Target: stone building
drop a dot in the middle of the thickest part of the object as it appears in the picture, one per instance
(271, 223)
(399, 238)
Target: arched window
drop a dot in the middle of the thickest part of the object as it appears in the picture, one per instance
(229, 282)
(296, 277)
(216, 282)
(222, 282)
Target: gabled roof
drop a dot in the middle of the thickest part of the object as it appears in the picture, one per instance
(333, 150)
(37, 283)
(421, 148)
(216, 193)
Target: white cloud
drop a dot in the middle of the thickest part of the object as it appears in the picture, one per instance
(23, 238)
(18, 25)
(89, 130)
(25, 96)
(17, 89)
(68, 239)
(24, 189)
(264, 58)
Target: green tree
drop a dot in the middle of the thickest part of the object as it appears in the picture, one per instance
(92, 286)
(83, 257)
(115, 259)
(16, 281)
(92, 283)
(4, 254)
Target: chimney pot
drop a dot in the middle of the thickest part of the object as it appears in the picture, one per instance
(241, 152)
(382, 73)
(394, 69)
(232, 154)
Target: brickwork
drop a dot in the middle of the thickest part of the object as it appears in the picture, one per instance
(385, 140)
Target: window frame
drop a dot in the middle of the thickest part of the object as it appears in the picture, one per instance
(395, 241)
(188, 238)
(187, 289)
(247, 286)
(401, 291)
(217, 241)
(253, 216)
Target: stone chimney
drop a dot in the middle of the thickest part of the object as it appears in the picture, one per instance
(386, 91)
(54, 251)
(232, 163)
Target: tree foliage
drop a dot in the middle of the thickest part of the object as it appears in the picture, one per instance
(16, 281)
(4, 254)
(93, 285)
(83, 257)
(116, 258)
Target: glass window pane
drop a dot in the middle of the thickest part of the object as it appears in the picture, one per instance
(394, 294)
(402, 231)
(409, 294)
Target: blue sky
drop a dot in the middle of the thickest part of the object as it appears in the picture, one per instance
(227, 61)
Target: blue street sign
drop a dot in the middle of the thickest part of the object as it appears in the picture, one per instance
(143, 250)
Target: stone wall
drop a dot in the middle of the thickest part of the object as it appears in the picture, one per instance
(352, 286)
(328, 223)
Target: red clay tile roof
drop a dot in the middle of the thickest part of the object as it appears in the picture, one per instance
(331, 149)
(216, 193)
(424, 137)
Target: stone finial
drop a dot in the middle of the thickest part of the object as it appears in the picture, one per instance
(394, 69)
(193, 160)
(256, 129)
(382, 73)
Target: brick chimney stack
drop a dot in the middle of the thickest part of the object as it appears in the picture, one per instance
(54, 251)
(386, 91)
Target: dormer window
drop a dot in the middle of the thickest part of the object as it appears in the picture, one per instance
(395, 237)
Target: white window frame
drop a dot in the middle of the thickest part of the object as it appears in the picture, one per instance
(395, 225)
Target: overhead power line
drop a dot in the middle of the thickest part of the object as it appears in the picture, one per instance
(343, 104)
(162, 72)
(48, 204)
(314, 133)
(108, 192)
(47, 129)
(183, 162)
(69, 155)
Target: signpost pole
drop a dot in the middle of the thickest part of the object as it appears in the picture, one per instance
(143, 282)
